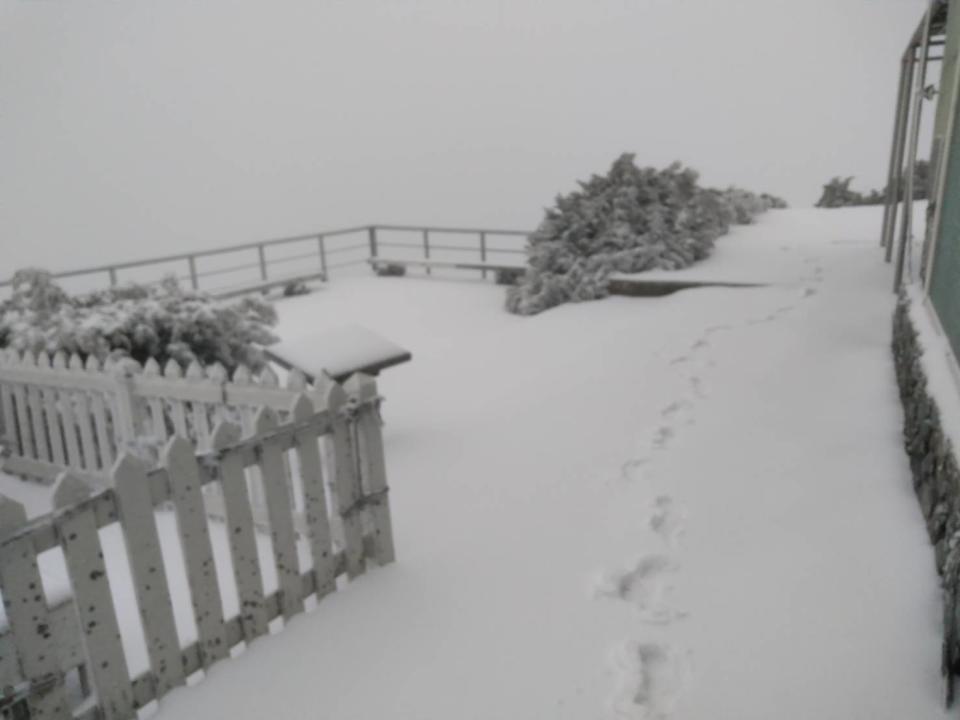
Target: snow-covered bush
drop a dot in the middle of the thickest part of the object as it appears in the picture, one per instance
(140, 321)
(390, 270)
(629, 220)
(296, 287)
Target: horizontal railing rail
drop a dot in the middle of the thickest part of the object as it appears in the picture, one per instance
(186, 266)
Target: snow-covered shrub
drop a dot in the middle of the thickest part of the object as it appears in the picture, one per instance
(295, 287)
(390, 270)
(139, 321)
(508, 276)
(629, 220)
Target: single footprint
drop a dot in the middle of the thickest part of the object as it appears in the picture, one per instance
(668, 520)
(697, 386)
(662, 436)
(808, 292)
(653, 678)
(646, 587)
(632, 470)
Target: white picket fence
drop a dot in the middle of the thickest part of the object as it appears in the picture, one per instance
(346, 520)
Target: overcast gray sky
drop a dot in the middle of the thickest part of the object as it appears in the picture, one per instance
(144, 127)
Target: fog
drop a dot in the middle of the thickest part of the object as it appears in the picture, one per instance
(136, 128)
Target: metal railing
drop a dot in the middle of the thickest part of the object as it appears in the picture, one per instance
(317, 253)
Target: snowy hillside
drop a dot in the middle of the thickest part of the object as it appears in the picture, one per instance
(688, 507)
(691, 507)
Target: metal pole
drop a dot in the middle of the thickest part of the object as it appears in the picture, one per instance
(891, 170)
(426, 247)
(113, 276)
(193, 272)
(263, 262)
(906, 226)
(483, 252)
(372, 232)
(895, 189)
(323, 255)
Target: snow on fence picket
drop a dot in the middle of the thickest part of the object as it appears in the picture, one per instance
(347, 521)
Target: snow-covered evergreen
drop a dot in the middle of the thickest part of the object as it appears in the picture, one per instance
(629, 220)
(140, 321)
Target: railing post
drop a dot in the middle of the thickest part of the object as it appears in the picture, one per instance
(194, 281)
(321, 248)
(113, 276)
(483, 252)
(426, 246)
(263, 262)
(372, 232)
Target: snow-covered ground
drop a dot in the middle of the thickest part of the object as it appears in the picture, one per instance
(689, 507)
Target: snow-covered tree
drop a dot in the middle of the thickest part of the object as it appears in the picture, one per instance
(629, 220)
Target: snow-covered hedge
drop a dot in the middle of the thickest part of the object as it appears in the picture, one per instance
(629, 220)
(139, 321)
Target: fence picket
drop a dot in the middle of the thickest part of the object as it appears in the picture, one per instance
(35, 401)
(347, 483)
(67, 414)
(100, 422)
(178, 412)
(277, 490)
(158, 421)
(80, 541)
(315, 501)
(242, 534)
(23, 420)
(135, 506)
(201, 423)
(28, 618)
(373, 467)
(178, 458)
(49, 397)
(11, 436)
(83, 418)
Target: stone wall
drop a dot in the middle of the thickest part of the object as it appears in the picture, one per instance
(936, 477)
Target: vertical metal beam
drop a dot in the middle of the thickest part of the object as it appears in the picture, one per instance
(322, 249)
(943, 166)
(896, 187)
(263, 262)
(906, 225)
(372, 232)
(892, 167)
(483, 252)
(194, 280)
(426, 246)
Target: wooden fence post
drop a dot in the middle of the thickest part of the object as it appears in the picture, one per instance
(372, 233)
(373, 467)
(426, 247)
(261, 254)
(184, 475)
(315, 501)
(135, 508)
(29, 621)
(347, 484)
(277, 491)
(483, 252)
(242, 533)
(321, 248)
(80, 541)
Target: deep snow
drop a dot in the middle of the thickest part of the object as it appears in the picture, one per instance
(695, 506)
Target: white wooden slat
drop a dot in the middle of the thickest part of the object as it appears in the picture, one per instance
(68, 416)
(347, 483)
(12, 437)
(137, 520)
(181, 464)
(254, 477)
(84, 420)
(58, 453)
(198, 409)
(158, 423)
(27, 448)
(38, 421)
(80, 541)
(242, 534)
(277, 490)
(316, 513)
(102, 426)
(28, 618)
(178, 414)
(373, 467)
